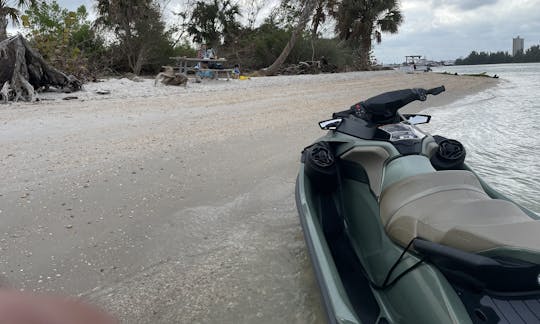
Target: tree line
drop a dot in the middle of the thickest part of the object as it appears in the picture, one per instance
(139, 36)
(531, 55)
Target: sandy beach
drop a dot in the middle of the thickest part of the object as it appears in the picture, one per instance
(175, 205)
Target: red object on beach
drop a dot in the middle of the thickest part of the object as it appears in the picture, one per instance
(20, 308)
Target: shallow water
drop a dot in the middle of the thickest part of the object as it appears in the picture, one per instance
(500, 128)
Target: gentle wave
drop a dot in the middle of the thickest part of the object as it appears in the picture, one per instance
(500, 128)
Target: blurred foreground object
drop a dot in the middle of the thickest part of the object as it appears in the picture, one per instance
(20, 308)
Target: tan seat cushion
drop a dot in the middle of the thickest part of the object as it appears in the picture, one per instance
(451, 208)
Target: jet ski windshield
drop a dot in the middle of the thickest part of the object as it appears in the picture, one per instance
(402, 131)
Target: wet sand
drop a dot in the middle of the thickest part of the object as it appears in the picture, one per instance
(175, 205)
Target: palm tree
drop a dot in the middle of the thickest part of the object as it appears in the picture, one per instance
(9, 12)
(323, 11)
(360, 21)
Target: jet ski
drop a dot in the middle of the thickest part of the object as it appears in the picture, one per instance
(400, 229)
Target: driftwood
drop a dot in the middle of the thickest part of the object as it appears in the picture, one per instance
(168, 77)
(23, 71)
(309, 67)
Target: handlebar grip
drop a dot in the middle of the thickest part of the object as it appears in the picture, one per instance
(436, 91)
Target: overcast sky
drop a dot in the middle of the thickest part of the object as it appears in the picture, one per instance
(448, 29)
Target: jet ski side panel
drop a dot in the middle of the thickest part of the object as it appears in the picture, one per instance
(336, 302)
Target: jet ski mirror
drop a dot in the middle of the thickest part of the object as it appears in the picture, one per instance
(417, 119)
(330, 124)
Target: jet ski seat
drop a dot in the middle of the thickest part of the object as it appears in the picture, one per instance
(451, 208)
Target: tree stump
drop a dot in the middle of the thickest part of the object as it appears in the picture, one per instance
(23, 71)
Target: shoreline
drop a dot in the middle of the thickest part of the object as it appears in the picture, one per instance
(173, 205)
(144, 88)
(455, 94)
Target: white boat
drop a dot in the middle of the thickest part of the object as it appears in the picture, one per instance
(415, 63)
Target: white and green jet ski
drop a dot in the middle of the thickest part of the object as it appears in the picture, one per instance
(401, 230)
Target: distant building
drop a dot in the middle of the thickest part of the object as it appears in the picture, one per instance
(517, 45)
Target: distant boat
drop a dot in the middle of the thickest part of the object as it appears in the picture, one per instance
(415, 63)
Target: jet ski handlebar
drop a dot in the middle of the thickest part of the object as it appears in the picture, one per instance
(383, 108)
(436, 91)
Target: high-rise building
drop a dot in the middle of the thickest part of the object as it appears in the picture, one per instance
(517, 45)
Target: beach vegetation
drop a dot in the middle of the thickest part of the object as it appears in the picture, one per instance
(138, 32)
(140, 36)
(214, 23)
(64, 38)
(304, 15)
(258, 48)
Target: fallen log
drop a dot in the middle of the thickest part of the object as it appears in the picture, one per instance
(23, 71)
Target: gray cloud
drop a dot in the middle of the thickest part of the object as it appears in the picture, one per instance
(465, 4)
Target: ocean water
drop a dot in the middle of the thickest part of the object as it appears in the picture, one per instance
(500, 128)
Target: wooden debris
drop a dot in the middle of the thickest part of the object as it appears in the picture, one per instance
(309, 67)
(169, 77)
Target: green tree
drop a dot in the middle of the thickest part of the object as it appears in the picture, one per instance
(138, 27)
(9, 12)
(214, 22)
(305, 14)
(64, 38)
(264, 44)
(531, 55)
(359, 22)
